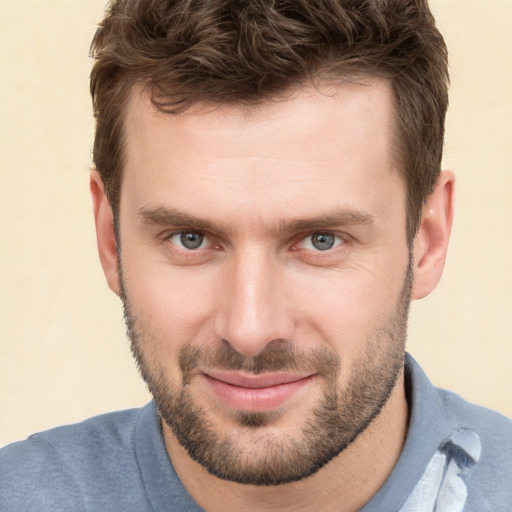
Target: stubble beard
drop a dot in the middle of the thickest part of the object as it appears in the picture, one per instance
(338, 418)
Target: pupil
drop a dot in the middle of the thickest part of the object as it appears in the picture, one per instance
(191, 240)
(322, 241)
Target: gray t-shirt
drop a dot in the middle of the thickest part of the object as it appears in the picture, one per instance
(457, 457)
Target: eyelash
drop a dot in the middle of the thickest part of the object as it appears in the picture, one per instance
(339, 240)
(168, 237)
(181, 234)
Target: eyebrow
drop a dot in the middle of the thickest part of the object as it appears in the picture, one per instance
(332, 219)
(165, 216)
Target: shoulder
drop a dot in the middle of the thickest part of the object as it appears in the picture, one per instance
(477, 440)
(51, 470)
(494, 429)
(28, 470)
(489, 483)
(75, 445)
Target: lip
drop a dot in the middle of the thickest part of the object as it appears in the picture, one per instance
(255, 393)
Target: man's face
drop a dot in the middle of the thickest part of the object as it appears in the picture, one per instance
(266, 275)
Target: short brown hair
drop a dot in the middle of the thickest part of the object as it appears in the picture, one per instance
(248, 51)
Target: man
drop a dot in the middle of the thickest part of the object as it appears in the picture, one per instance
(268, 199)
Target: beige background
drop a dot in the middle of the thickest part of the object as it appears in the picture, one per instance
(63, 353)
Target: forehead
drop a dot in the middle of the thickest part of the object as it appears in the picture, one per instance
(303, 111)
(334, 140)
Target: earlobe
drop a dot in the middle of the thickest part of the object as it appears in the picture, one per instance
(431, 242)
(105, 234)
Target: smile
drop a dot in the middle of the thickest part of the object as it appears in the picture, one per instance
(255, 393)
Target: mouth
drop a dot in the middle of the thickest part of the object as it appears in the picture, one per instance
(255, 393)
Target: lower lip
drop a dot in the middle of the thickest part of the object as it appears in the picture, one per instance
(256, 399)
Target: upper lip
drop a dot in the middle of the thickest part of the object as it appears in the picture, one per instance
(246, 380)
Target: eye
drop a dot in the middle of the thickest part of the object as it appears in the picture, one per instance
(188, 239)
(321, 241)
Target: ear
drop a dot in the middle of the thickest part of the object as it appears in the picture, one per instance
(431, 242)
(105, 236)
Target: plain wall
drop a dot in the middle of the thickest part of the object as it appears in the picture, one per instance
(63, 352)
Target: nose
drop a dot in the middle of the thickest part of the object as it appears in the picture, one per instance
(254, 311)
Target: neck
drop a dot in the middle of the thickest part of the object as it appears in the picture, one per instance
(345, 484)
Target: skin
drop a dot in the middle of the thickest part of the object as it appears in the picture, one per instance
(248, 173)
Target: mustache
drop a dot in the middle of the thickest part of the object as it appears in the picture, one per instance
(277, 356)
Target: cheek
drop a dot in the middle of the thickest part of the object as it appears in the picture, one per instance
(346, 307)
(173, 304)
